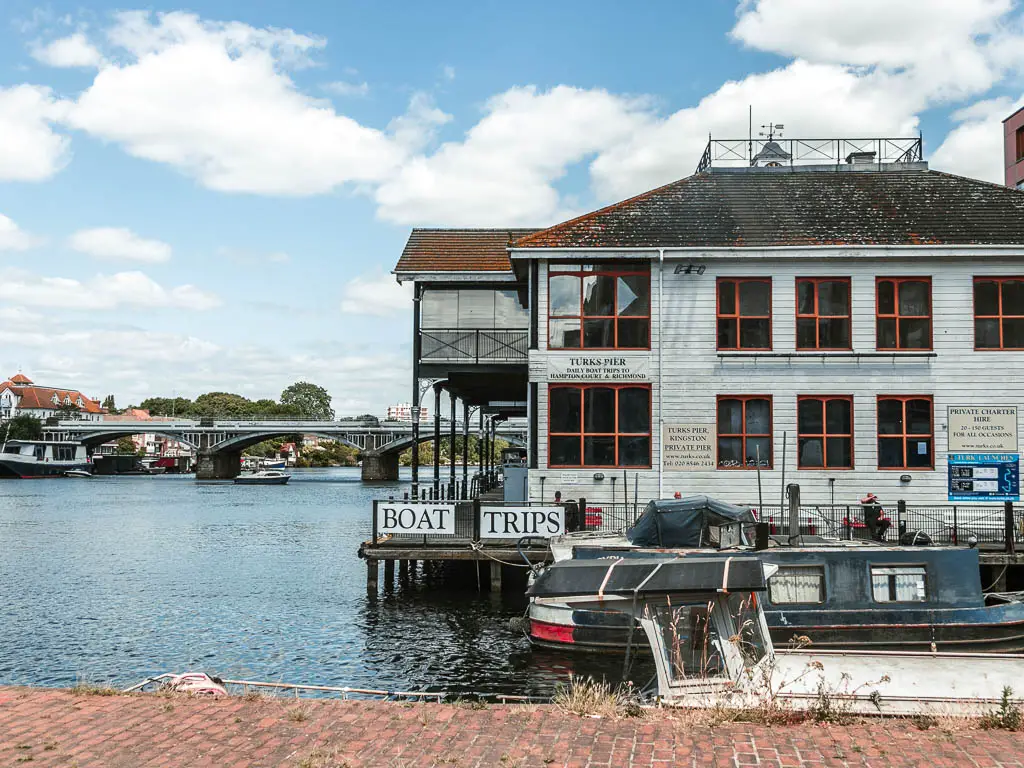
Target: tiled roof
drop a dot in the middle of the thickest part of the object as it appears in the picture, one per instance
(20, 378)
(458, 250)
(807, 208)
(40, 398)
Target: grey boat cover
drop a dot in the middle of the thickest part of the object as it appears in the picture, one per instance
(616, 576)
(683, 523)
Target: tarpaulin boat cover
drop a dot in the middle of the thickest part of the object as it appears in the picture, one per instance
(617, 576)
(684, 522)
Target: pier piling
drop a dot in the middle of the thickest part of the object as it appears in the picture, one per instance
(389, 574)
(371, 575)
(495, 576)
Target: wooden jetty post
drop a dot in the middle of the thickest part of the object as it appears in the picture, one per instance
(389, 574)
(371, 575)
(495, 576)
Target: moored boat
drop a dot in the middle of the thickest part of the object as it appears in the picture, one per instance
(41, 458)
(267, 477)
(78, 473)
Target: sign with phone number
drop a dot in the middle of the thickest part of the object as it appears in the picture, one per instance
(984, 476)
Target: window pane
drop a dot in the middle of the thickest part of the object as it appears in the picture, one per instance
(805, 297)
(508, 312)
(833, 298)
(755, 334)
(1013, 332)
(726, 297)
(564, 409)
(730, 452)
(811, 452)
(730, 417)
(886, 333)
(565, 451)
(634, 333)
(726, 333)
(564, 334)
(755, 298)
(439, 309)
(919, 417)
(598, 295)
(797, 585)
(634, 297)
(890, 451)
(839, 452)
(634, 410)
(890, 417)
(598, 333)
(919, 452)
(886, 297)
(759, 448)
(1013, 297)
(915, 298)
(835, 333)
(809, 418)
(759, 417)
(634, 451)
(805, 333)
(986, 333)
(599, 451)
(986, 297)
(476, 309)
(598, 410)
(837, 417)
(915, 334)
(565, 295)
(880, 588)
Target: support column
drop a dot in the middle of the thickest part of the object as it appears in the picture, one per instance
(437, 440)
(223, 465)
(403, 570)
(465, 450)
(371, 575)
(451, 446)
(417, 292)
(495, 576)
(389, 574)
(379, 466)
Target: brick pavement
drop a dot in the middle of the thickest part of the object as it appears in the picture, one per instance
(44, 727)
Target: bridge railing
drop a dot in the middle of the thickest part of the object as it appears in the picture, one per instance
(474, 345)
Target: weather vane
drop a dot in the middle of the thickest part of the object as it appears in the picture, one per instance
(770, 129)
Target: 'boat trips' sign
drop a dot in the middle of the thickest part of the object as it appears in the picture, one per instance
(982, 429)
(688, 447)
(591, 366)
(513, 522)
(411, 517)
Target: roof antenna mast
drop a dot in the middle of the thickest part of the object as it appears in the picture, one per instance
(750, 133)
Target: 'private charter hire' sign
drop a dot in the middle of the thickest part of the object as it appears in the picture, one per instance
(396, 517)
(514, 522)
(619, 367)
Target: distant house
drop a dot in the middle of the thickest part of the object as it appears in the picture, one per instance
(152, 443)
(19, 396)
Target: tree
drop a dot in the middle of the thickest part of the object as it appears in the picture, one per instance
(126, 447)
(312, 402)
(168, 406)
(108, 403)
(223, 404)
(24, 427)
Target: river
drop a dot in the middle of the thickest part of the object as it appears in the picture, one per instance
(115, 579)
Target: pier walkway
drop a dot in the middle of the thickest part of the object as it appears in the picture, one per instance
(43, 727)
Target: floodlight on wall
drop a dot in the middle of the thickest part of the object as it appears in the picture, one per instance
(599, 475)
(905, 478)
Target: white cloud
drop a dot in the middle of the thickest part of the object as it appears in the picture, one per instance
(14, 238)
(378, 295)
(123, 289)
(75, 50)
(30, 150)
(214, 101)
(119, 244)
(344, 88)
(419, 125)
(975, 147)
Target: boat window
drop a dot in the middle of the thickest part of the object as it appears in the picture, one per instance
(12, 449)
(690, 639)
(39, 452)
(749, 637)
(899, 584)
(797, 584)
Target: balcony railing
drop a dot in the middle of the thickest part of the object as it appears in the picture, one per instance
(474, 346)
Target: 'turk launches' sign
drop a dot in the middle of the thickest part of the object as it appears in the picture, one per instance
(513, 522)
(405, 517)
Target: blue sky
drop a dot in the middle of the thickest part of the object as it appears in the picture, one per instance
(211, 197)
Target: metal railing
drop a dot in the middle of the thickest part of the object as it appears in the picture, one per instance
(474, 345)
(740, 152)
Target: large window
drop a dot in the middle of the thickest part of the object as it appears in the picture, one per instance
(904, 313)
(999, 313)
(797, 584)
(744, 431)
(599, 426)
(905, 432)
(823, 313)
(745, 313)
(599, 306)
(824, 432)
(899, 584)
(471, 308)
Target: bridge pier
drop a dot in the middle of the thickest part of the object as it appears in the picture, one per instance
(382, 466)
(224, 465)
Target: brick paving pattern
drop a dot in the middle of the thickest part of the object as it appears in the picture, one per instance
(41, 727)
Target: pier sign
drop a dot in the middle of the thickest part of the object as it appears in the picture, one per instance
(514, 522)
(982, 428)
(688, 447)
(595, 366)
(984, 476)
(418, 518)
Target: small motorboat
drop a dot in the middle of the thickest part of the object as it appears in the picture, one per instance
(266, 477)
(77, 473)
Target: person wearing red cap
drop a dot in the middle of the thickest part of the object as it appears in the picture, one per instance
(872, 509)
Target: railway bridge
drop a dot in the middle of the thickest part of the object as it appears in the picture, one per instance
(219, 442)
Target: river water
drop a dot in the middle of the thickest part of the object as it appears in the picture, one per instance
(114, 579)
